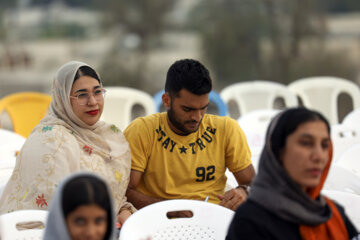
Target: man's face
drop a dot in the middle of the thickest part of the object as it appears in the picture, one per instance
(185, 111)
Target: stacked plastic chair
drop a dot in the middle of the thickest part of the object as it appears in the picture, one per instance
(321, 93)
(120, 102)
(258, 95)
(25, 109)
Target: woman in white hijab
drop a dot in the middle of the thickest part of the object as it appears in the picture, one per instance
(70, 138)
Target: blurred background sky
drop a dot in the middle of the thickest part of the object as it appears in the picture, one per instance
(133, 42)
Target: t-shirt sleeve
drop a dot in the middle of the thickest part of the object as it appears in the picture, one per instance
(139, 139)
(238, 155)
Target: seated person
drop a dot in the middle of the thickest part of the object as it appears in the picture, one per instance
(70, 138)
(81, 209)
(285, 200)
(183, 153)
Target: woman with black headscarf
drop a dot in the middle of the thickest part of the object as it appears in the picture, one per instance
(285, 200)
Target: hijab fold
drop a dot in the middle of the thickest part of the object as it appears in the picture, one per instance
(273, 189)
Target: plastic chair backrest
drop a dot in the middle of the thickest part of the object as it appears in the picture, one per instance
(353, 117)
(8, 223)
(342, 179)
(231, 181)
(120, 102)
(209, 221)
(321, 93)
(10, 145)
(349, 159)
(25, 109)
(213, 97)
(255, 95)
(254, 124)
(350, 202)
(344, 136)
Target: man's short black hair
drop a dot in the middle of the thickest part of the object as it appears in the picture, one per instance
(190, 75)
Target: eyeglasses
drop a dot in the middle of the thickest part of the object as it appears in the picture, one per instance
(83, 98)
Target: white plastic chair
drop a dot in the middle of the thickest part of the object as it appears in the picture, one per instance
(231, 180)
(209, 221)
(9, 221)
(254, 125)
(10, 145)
(256, 95)
(321, 93)
(342, 179)
(352, 118)
(350, 202)
(350, 159)
(344, 136)
(120, 102)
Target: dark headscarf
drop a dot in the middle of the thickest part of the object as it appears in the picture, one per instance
(273, 188)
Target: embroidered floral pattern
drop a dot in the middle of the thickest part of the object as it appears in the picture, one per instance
(47, 128)
(48, 174)
(114, 128)
(118, 176)
(41, 201)
(87, 149)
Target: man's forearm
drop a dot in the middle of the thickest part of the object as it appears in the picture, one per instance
(140, 200)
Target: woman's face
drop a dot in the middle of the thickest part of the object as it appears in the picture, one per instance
(87, 222)
(306, 153)
(91, 111)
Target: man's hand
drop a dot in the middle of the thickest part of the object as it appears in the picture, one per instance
(233, 198)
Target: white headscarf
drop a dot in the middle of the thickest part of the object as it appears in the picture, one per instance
(61, 112)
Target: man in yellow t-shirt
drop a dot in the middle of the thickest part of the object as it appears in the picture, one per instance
(183, 153)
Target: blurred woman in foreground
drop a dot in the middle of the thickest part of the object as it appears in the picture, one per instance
(81, 209)
(285, 200)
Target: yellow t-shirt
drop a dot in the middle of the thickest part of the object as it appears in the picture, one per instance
(186, 167)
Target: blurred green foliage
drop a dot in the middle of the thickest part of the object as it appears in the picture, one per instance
(340, 6)
(276, 40)
(62, 31)
(231, 33)
(143, 20)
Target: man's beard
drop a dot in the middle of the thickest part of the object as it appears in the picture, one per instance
(178, 125)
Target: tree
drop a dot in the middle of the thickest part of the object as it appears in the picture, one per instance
(340, 6)
(4, 5)
(304, 23)
(231, 32)
(278, 40)
(141, 24)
